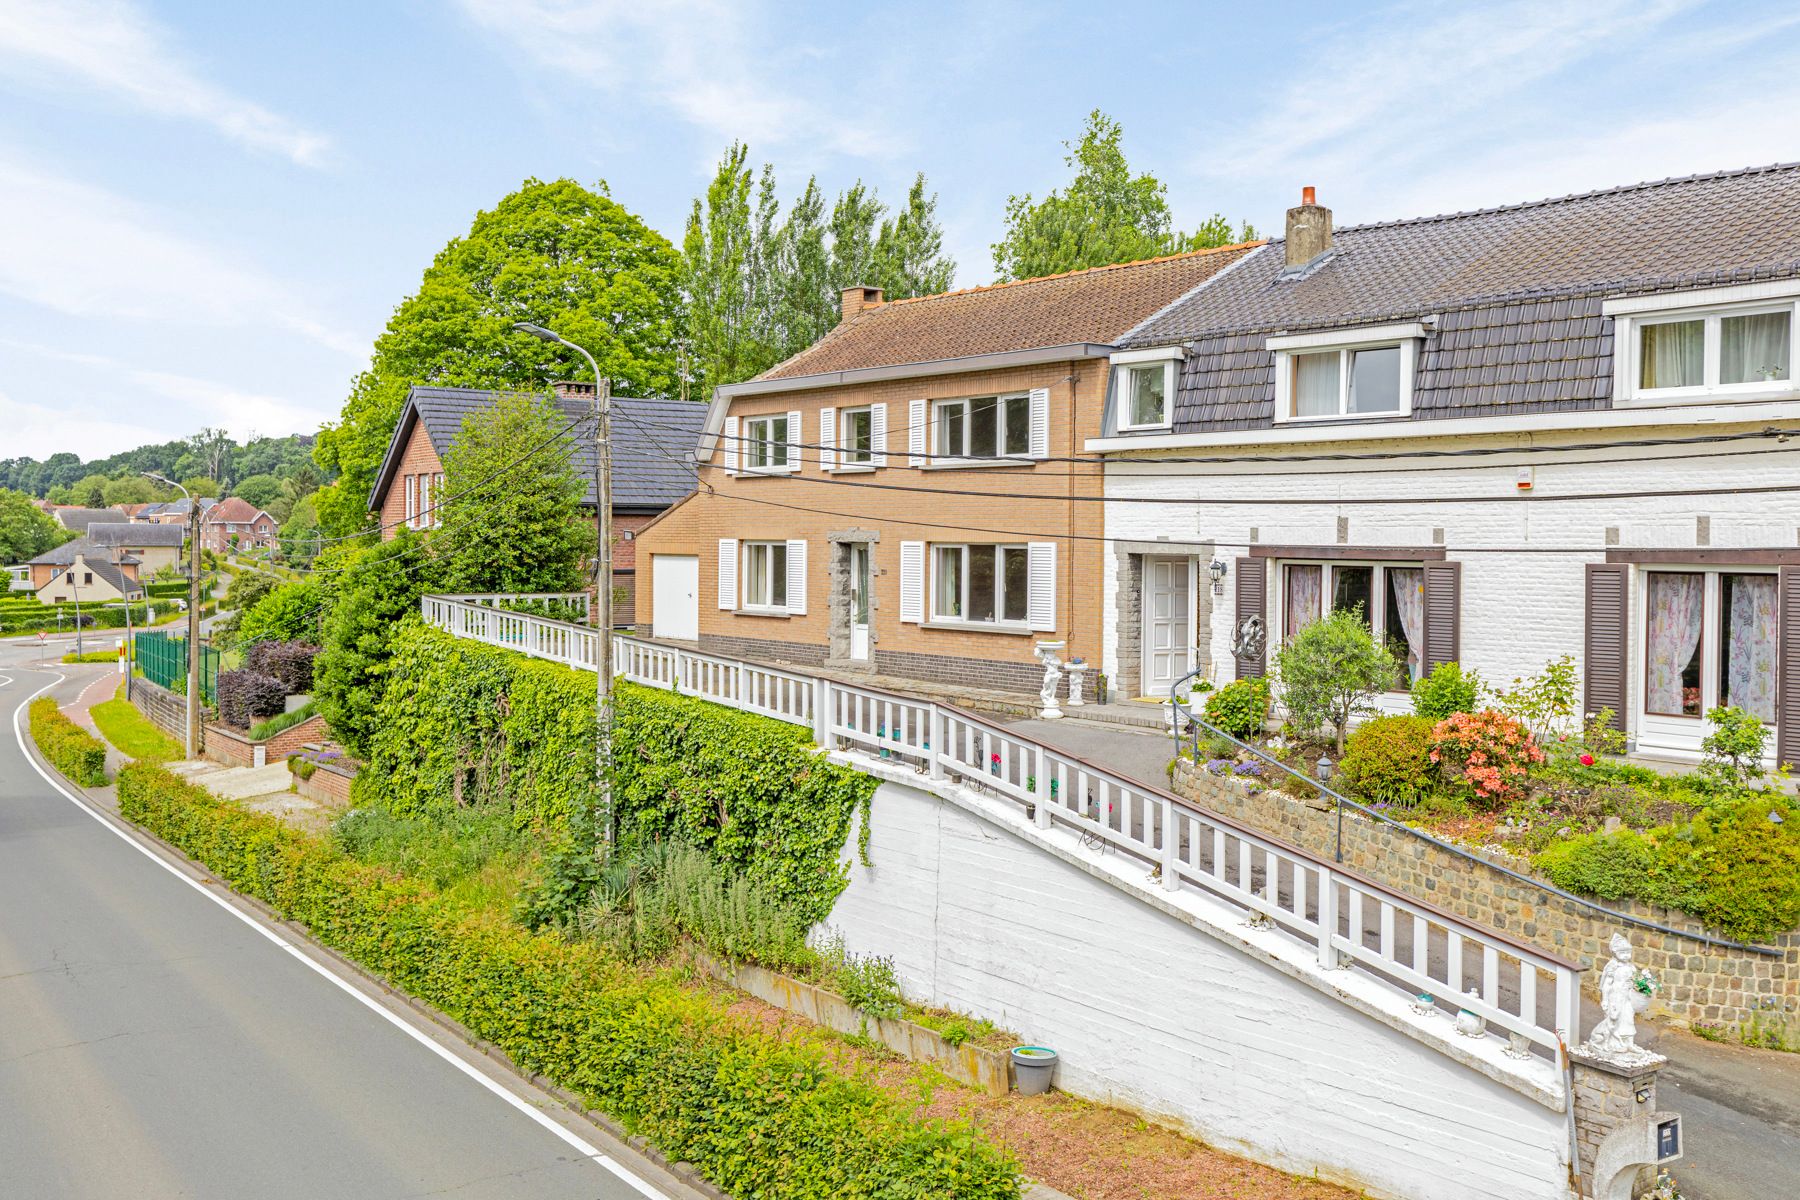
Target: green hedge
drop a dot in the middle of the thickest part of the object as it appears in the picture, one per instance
(1732, 867)
(75, 752)
(760, 1117)
(465, 723)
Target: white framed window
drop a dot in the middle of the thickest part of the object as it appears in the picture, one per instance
(1346, 374)
(981, 584)
(766, 576)
(1390, 597)
(1144, 387)
(856, 437)
(1737, 350)
(767, 443)
(982, 427)
(1711, 637)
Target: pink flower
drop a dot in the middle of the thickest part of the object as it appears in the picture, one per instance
(1587, 760)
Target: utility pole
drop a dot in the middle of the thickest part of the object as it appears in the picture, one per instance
(76, 592)
(603, 690)
(193, 637)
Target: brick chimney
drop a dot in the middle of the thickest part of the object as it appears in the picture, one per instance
(1308, 230)
(570, 389)
(855, 299)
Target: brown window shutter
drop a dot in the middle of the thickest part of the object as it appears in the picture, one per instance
(1443, 613)
(1252, 601)
(1787, 696)
(1607, 666)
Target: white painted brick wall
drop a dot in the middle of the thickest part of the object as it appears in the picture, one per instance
(1520, 610)
(1150, 1013)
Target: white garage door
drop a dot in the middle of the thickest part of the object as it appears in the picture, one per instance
(675, 597)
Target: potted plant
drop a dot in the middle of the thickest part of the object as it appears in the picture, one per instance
(1033, 1069)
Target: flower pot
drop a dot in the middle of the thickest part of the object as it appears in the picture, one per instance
(1640, 1002)
(1033, 1069)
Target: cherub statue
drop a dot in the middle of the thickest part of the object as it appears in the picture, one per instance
(1616, 1034)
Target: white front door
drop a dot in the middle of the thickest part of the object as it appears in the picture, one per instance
(1168, 623)
(859, 600)
(675, 597)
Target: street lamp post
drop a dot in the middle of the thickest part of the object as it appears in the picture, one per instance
(603, 706)
(75, 592)
(193, 638)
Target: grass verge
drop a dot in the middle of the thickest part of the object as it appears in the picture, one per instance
(131, 732)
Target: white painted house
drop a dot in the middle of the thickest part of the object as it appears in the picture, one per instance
(1556, 427)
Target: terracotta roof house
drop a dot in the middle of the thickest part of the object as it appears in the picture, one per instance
(886, 502)
(652, 440)
(236, 524)
(84, 570)
(172, 512)
(1504, 436)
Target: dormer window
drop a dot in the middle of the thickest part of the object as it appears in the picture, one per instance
(1702, 345)
(1345, 374)
(1144, 387)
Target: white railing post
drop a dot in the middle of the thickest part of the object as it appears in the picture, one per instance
(1041, 772)
(822, 715)
(1171, 847)
(936, 747)
(1327, 919)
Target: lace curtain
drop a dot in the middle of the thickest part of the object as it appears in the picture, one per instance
(1673, 355)
(1753, 349)
(1304, 586)
(1750, 644)
(1674, 602)
(1407, 586)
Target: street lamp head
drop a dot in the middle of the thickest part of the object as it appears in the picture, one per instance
(537, 331)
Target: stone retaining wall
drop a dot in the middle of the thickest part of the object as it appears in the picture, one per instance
(1700, 983)
(164, 709)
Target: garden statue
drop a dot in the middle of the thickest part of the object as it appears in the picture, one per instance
(1077, 671)
(1615, 1037)
(1046, 652)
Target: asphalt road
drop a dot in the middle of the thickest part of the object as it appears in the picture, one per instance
(153, 1043)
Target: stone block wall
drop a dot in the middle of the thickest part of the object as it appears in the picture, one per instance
(1700, 983)
(164, 709)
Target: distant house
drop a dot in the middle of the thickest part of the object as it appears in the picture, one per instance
(86, 571)
(171, 512)
(73, 516)
(154, 546)
(652, 440)
(235, 523)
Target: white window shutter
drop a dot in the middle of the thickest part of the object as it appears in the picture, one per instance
(1040, 422)
(915, 434)
(828, 438)
(796, 577)
(1040, 604)
(796, 435)
(912, 582)
(878, 434)
(728, 575)
(730, 446)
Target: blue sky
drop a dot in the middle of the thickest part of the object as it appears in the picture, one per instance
(208, 208)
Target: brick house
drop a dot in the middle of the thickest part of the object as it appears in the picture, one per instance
(235, 523)
(898, 497)
(650, 468)
(84, 570)
(154, 546)
(1615, 371)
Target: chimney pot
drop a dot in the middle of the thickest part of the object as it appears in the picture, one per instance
(854, 299)
(573, 389)
(1308, 230)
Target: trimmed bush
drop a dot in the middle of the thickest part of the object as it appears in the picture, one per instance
(1388, 761)
(247, 696)
(1488, 752)
(1448, 690)
(1241, 708)
(70, 748)
(290, 662)
(1731, 866)
(758, 1116)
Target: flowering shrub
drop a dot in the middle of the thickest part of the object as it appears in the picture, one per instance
(1219, 766)
(1252, 769)
(1488, 750)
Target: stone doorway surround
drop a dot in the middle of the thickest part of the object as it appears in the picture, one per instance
(837, 599)
(1128, 562)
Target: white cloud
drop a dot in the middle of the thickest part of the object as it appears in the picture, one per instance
(83, 251)
(697, 58)
(111, 46)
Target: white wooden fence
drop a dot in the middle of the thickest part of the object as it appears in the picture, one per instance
(1348, 920)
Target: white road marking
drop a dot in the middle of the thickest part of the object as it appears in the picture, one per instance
(586, 1149)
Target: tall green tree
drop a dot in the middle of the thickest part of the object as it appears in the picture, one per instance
(557, 254)
(259, 490)
(1105, 215)
(762, 287)
(377, 591)
(131, 489)
(513, 524)
(26, 531)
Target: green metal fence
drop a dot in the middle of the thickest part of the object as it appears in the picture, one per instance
(163, 660)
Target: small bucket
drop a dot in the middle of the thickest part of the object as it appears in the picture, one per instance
(1033, 1069)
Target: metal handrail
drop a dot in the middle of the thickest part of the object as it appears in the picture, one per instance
(1343, 801)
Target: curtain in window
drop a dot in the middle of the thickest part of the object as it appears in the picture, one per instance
(1674, 355)
(948, 602)
(1674, 604)
(1750, 643)
(1406, 586)
(1316, 385)
(1305, 585)
(1753, 349)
